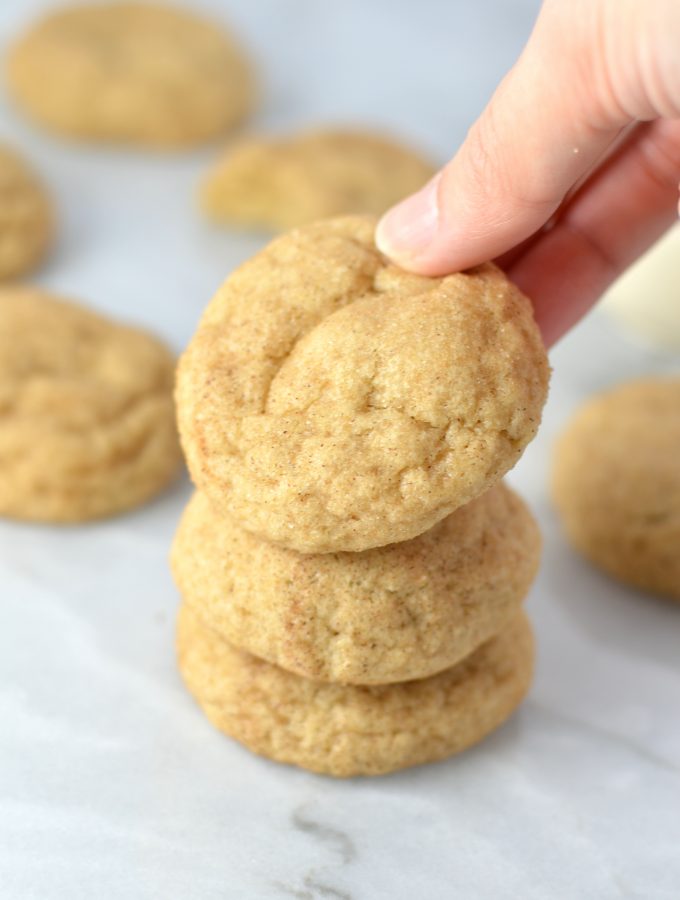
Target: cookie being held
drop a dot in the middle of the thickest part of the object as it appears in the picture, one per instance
(616, 483)
(86, 413)
(330, 401)
(391, 614)
(348, 730)
(131, 72)
(25, 216)
(279, 183)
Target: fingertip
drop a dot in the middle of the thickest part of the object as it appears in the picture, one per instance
(406, 231)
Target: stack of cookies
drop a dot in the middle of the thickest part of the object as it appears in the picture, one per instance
(352, 567)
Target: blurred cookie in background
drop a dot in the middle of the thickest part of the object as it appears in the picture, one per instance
(131, 73)
(275, 183)
(26, 216)
(87, 425)
(646, 298)
(616, 483)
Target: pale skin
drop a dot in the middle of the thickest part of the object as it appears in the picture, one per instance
(572, 170)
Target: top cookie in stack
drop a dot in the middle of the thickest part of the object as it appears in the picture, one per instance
(331, 401)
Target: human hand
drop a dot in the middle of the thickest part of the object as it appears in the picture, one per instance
(572, 170)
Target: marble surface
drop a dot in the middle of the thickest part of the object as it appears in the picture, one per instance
(112, 784)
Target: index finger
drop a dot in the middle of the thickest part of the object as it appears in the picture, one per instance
(547, 125)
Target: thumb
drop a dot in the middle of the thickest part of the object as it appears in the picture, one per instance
(548, 123)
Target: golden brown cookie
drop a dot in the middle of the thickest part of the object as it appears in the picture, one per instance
(86, 413)
(616, 483)
(25, 216)
(392, 614)
(137, 73)
(331, 401)
(279, 183)
(348, 730)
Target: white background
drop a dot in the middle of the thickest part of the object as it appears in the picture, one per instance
(112, 784)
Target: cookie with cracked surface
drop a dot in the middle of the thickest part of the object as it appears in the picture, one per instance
(136, 73)
(616, 483)
(331, 401)
(86, 413)
(391, 614)
(346, 730)
(279, 183)
(25, 216)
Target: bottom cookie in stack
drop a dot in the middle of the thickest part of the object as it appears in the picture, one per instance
(346, 730)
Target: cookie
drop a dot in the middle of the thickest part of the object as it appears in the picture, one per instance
(396, 613)
(616, 483)
(86, 413)
(279, 183)
(25, 217)
(331, 401)
(135, 73)
(348, 730)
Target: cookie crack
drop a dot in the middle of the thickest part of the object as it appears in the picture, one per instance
(278, 360)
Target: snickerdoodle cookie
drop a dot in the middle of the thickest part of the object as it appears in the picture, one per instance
(616, 483)
(395, 613)
(349, 730)
(131, 72)
(25, 216)
(331, 401)
(86, 413)
(278, 183)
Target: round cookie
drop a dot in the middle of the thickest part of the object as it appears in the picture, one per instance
(136, 73)
(391, 614)
(279, 183)
(25, 217)
(616, 483)
(86, 413)
(348, 730)
(331, 401)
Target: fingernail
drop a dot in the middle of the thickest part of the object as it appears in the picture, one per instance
(408, 228)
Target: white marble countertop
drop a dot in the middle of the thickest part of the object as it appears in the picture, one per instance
(112, 783)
